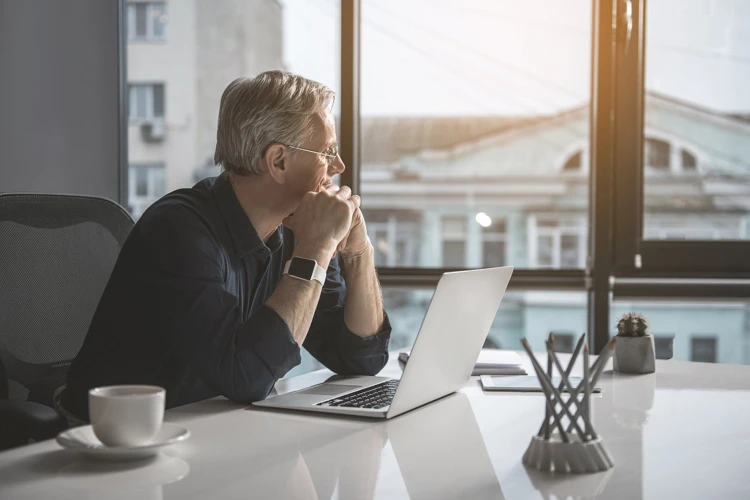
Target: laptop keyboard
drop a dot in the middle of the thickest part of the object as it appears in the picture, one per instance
(375, 397)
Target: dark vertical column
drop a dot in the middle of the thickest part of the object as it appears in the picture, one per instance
(599, 265)
(122, 102)
(350, 98)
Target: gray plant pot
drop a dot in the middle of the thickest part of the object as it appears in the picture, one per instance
(635, 354)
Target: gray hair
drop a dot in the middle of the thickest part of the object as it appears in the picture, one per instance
(275, 106)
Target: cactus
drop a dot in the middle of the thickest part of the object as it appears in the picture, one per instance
(632, 325)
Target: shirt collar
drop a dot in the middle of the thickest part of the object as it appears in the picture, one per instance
(244, 235)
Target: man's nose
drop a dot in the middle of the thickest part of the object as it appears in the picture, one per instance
(337, 166)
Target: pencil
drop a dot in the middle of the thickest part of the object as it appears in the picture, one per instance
(587, 391)
(550, 338)
(546, 386)
(596, 369)
(565, 407)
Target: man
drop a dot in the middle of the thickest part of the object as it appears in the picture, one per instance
(202, 301)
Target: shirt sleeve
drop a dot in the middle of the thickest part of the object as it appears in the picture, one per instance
(202, 321)
(333, 344)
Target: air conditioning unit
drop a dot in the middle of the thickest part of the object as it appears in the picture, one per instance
(153, 130)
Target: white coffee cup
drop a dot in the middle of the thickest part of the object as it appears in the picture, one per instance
(126, 415)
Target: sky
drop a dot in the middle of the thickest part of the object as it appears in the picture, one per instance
(516, 57)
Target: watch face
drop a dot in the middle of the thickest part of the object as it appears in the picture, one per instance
(302, 268)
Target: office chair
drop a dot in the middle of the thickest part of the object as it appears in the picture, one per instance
(56, 255)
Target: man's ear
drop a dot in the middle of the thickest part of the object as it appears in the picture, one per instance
(274, 161)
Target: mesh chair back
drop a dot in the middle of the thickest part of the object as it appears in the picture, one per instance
(56, 255)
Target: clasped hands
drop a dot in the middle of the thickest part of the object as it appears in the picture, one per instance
(330, 221)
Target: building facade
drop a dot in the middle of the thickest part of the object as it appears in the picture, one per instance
(181, 55)
(515, 192)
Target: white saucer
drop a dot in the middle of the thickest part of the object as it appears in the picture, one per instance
(82, 439)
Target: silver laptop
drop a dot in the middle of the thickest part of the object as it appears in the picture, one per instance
(443, 356)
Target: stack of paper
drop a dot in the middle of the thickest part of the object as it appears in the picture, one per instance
(491, 362)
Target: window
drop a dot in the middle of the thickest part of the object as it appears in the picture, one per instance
(469, 127)
(454, 241)
(701, 130)
(147, 185)
(689, 162)
(695, 226)
(146, 101)
(147, 20)
(703, 349)
(392, 236)
(185, 67)
(564, 342)
(574, 163)
(557, 242)
(658, 154)
(522, 314)
(664, 345)
(494, 242)
(675, 325)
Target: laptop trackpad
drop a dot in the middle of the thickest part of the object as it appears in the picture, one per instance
(328, 389)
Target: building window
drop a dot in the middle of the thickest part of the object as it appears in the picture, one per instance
(694, 227)
(454, 241)
(558, 243)
(147, 20)
(703, 349)
(494, 243)
(563, 342)
(146, 185)
(146, 101)
(574, 163)
(658, 153)
(664, 345)
(392, 235)
(689, 162)
(379, 237)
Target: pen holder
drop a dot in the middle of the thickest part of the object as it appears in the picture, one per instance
(575, 456)
(567, 441)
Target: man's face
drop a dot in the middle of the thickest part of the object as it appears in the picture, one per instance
(310, 171)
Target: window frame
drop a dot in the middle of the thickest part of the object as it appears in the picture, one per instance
(613, 157)
(350, 152)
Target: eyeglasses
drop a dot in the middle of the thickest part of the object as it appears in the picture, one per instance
(332, 153)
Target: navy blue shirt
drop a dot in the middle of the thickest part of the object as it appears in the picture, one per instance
(185, 309)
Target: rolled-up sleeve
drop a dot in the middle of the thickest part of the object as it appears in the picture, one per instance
(239, 358)
(333, 344)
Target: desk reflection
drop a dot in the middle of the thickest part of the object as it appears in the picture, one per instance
(64, 474)
(441, 452)
(438, 450)
(120, 480)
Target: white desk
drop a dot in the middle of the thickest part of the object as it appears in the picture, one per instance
(682, 433)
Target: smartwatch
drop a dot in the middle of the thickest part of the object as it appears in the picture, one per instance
(305, 269)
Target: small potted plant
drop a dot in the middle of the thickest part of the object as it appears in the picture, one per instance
(634, 351)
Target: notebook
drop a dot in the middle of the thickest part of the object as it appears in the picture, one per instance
(525, 384)
(490, 362)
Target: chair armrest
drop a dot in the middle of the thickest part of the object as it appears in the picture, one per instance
(33, 420)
